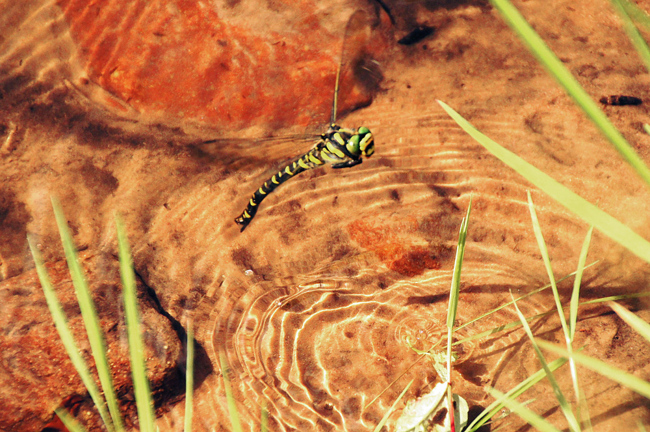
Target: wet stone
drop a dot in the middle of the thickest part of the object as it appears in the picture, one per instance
(36, 374)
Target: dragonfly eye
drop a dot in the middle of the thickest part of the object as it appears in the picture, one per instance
(367, 142)
(353, 144)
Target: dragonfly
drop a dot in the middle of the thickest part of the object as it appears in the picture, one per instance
(338, 146)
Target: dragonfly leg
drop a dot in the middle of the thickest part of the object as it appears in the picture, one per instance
(348, 164)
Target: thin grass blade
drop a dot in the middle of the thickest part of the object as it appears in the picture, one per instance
(616, 298)
(69, 421)
(605, 223)
(581, 403)
(556, 295)
(636, 13)
(532, 418)
(541, 243)
(189, 377)
(453, 307)
(89, 315)
(141, 387)
(633, 33)
(455, 286)
(640, 326)
(628, 380)
(495, 407)
(575, 294)
(545, 287)
(555, 67)
(264, 421)
(232, 405)
(458, 264)
(584, 409)
(564, 405)
(390, 411)
(60, 321)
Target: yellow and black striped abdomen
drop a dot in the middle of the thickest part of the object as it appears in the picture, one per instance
(306, 162)
(332, 148)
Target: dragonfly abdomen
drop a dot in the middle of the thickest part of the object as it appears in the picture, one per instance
(306, 162)
(339, 147)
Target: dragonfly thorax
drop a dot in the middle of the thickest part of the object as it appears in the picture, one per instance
(357, 143)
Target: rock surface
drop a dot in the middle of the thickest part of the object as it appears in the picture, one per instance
(314, 302)
(37, 374)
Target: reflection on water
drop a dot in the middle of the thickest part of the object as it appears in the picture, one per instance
(318, 351)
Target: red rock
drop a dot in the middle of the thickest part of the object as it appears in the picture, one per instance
(36, 374)
(227, 66)
(393, 245)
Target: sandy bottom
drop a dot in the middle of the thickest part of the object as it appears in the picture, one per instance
(314, 302)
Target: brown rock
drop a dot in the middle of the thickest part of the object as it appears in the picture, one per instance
(36, 374)
(229, 65)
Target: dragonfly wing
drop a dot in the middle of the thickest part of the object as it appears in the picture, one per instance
(265, 149)
(357, 70)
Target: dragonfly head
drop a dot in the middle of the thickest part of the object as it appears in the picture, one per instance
(361, 143)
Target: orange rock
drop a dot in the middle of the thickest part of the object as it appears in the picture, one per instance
(226, 66)
(393, 246)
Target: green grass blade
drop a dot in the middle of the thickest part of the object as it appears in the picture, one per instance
(637, 40)
(264, 421)
(584, 409)
(189, 377)
(545, 287)
(141, 388)
(384, 419)
(232, 405)
(532, 418)
(495, 407)
(636, 13)
(65, 334)
(616, 297)
(556, 295)
(555, 67)
(640, 326)
(458, 264)
(564, 405)
(575, 294)
(69, 421)
(455, 291)
(581, 403)
(89, 315)
(537, 229)
(628, 380)
(605, 223)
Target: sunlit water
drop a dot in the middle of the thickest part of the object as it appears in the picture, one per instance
(316, 303)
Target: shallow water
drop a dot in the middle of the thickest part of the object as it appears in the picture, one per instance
(314, 302)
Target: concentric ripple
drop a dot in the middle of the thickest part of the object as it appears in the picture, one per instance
(317, 352)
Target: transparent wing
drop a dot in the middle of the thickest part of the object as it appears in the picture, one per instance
(357, 81)
(243, 151)
(358, 76)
